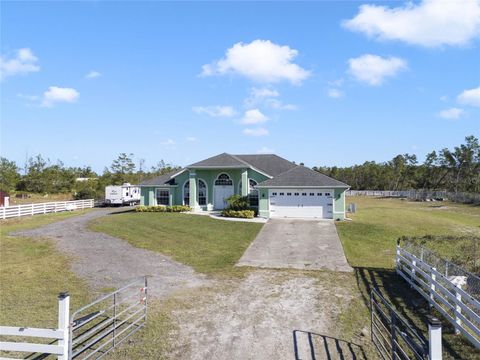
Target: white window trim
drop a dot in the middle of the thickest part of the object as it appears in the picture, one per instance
(156, 195)
(183, 192)
(198, 192)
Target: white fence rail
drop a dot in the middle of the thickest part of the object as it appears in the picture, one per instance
(44, 208)
(420, 194)
(60, 335)
(443, 293)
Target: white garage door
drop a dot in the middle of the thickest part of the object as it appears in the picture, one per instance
(301, 203)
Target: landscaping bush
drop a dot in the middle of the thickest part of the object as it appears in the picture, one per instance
(245, 214)
(163, 208)
(237, 202)
(86, 193)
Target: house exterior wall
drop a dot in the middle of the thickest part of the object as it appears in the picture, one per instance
(339, 204)
(147, 195)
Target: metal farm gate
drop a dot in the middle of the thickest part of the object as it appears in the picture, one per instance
(89, 333)
(393, 337)
(97, 328)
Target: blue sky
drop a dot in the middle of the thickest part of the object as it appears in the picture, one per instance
(326, 83)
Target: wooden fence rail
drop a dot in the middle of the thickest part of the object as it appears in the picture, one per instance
(44, 208)
(443, 293)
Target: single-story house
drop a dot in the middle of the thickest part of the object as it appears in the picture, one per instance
(276, 186)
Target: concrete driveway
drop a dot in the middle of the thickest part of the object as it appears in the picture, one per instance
(297, 244)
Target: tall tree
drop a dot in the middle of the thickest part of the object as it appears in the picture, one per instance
(9, 176)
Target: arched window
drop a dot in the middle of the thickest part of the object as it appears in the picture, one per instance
(252, 192)
(186, 193)
(202, 192)
(223, 179)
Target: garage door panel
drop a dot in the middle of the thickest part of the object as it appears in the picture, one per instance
(313, 203)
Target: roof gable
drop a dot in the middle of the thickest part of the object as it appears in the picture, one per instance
(164, 179)
(270, 164)
(301, 176)
(222, 160)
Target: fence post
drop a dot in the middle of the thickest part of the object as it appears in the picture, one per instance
(432, 286)
(458, 309)
(64, 323)
(434, 338)
(32, 210)
(45, 208)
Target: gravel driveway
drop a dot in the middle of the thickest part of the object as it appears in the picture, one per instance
(108, 262)
(297, 244)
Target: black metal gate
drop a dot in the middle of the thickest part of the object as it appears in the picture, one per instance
(393, 337)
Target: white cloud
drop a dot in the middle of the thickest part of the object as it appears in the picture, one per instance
(23, 63)
(93, 74)
(335, 93)
(265, 150)
(452, 113)
(191, 139)
(261, 61)
(430, 23)
(253, 116)
(266, 97)
(56, 94)
(215, 111)
(278, 105)
(259, 93)
(470, 97)
(255, 132)
(168, 143)
(29, 97)
(373, 69)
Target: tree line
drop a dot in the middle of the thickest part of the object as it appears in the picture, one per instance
(456, 170)
(42, 176)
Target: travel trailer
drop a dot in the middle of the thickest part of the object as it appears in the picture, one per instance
(125, 194)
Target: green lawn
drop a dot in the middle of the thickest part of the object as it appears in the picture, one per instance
(210, 246)
(369, 242)
(32, 273)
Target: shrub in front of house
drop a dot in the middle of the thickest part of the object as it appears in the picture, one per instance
(245, 214)
(163, 208)
(240, 204)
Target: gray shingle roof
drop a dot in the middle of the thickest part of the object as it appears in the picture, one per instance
(161, 180)
(301, 176)
(270, 164)
(222, 160)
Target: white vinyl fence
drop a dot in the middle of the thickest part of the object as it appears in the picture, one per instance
(420, 194)
(44, 208)
(59, 335)
(455, 297)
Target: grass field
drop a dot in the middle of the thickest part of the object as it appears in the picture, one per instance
(369, 243)
(369, 240)
(39, 198)
(208, 245)
(32, 273)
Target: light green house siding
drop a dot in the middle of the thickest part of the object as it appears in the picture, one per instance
(339, 204)
(192, 176)
(208, 176)
(263, 202)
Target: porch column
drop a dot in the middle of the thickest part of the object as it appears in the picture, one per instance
(193, 191)
(245, 184)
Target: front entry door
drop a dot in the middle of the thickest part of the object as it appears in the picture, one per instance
(222, 193)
